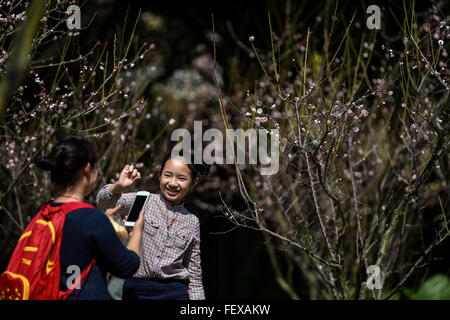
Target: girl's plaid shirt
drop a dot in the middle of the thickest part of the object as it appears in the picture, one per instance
(173, 253)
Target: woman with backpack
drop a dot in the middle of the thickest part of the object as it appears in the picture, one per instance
(89, 245)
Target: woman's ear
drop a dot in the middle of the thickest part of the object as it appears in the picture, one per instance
(87, 169)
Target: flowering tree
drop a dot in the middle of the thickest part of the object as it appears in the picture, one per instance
(362, 116)
(51, 86)
(364, 162)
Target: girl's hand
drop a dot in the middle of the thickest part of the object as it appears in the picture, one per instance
(113, 216)
(111, 212)
(127, 178)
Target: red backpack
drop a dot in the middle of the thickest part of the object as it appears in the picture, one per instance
(33, 273)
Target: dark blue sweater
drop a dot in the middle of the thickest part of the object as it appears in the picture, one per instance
(89, 234)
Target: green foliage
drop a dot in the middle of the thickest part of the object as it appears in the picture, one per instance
(436, 287)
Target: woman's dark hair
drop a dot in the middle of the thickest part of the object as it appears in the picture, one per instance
(197, 170)
(66, 159)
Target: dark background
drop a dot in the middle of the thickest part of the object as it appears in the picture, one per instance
(235, 263)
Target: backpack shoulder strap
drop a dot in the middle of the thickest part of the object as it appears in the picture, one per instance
(47, 211)
(71, 206)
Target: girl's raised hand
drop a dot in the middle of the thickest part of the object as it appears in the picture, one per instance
(127, 178)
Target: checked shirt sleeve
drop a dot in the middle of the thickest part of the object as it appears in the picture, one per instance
(193, 264)
(105, 200)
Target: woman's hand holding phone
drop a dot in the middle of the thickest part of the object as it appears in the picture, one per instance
(136, 235)
(128, 176)
(138, 225)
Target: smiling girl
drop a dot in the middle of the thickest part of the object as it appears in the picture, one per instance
(170, 251)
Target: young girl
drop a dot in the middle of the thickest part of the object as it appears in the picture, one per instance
(170, 251)
(87, 232)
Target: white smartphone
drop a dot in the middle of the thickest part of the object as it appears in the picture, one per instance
(138, 204)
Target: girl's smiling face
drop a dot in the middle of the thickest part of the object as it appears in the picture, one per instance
(175, 180)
